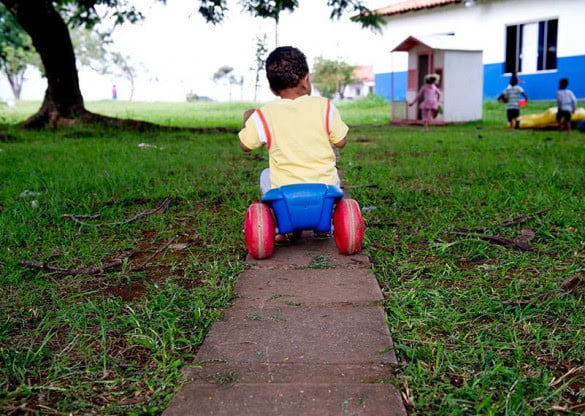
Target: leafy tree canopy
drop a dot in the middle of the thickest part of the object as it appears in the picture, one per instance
(91, 12)
(331, 77)
(87, 12)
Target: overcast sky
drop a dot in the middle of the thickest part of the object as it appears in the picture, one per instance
(177, 52)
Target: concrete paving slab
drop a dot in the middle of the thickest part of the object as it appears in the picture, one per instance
(304, 336)
(287, 400)
(265, 288)
(307, 250)
(223, 373)
(336, 335)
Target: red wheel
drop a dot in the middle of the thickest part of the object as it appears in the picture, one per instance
(259, 230)
(348, 226)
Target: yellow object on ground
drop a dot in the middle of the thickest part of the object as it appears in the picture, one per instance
(547, 119)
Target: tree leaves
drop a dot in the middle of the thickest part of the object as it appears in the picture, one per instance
(331, 77)
(269, 8)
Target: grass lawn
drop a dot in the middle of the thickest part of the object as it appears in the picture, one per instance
(115, 258)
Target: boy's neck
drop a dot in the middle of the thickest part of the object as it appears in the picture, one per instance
(292, 93)
(302, 88)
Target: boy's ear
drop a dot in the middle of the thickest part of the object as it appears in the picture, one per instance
(306, 83)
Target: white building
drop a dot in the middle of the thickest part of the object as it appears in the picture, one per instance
(364, 85)
(540, 40)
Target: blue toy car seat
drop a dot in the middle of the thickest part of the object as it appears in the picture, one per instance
(306, 206)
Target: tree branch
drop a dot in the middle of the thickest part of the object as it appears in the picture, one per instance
(74, 272)
(503, 241)
(161, 206)
(152, 256)
(514, 221)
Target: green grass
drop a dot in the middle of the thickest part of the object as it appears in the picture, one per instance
(371, 110)
(478, 327)
(91, 343)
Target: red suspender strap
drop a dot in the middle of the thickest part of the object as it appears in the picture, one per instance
(328, 117)
(265, 127)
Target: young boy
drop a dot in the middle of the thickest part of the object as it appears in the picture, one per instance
(298, 130)
(566, 105)
(512, 94)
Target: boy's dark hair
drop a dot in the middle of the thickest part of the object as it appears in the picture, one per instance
(285, 67)
(563, 83)
(513, 80)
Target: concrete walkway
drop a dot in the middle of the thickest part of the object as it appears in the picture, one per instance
(305, 336)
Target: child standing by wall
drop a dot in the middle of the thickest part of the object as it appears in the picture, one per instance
(431, 96)
(298, 130)
(566, 105)
(511, 96)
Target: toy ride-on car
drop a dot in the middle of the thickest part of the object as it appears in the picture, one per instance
(301, 207)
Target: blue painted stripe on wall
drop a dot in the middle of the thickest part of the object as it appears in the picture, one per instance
(539, 86)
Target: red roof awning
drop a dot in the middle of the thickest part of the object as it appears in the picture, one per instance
(409, 43)
(410, 5)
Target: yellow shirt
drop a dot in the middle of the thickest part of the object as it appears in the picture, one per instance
(298, 135)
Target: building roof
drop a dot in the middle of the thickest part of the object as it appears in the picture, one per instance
(435, 42)
(411, 5)
(364, 73)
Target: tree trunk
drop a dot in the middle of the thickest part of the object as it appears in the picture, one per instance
(50, 37)
(15, 79)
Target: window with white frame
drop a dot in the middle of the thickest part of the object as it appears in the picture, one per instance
(531, 47)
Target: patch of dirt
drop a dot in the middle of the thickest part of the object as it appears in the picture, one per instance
(128, 292)
(363, 139)
(465, 264)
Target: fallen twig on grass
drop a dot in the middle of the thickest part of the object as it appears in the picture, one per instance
(503, 241)
(577, 407)
(523, 218)
(161, 206)
(566, 288)
(569, 285)
(98, 269)
(73, 272)
(514, 221)
(152, 256)
(556, 381)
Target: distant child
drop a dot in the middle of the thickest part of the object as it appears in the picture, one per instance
(431, 96)
(298, 130)
(511, 96)
(566, 105)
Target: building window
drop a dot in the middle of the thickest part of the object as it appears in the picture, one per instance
(531, 47)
